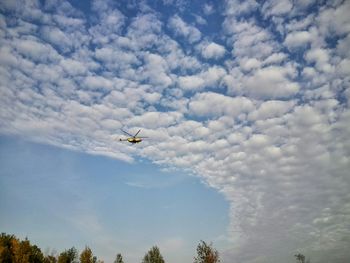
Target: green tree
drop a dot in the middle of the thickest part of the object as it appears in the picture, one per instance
(206, 254)
(86, 256)
(119, 259)
(153, 256)
(35, 254)
(68, 256)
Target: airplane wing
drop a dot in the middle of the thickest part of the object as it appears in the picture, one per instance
(126, 133)
(137, 133)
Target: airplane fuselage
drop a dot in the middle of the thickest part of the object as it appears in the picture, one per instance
(134, 140)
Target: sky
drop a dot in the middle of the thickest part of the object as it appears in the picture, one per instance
(245, 105)
(59, 199)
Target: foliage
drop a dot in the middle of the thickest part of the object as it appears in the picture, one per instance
(50, 259)
(16, 251)
(68, 256)
(13, 250)
(153, 256)
(206, 254)
(119, 259)
(86, 256)
(301, 258)
(6, 247)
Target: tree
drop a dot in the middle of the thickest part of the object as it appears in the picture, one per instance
(300, 258)
(119, 259)
(68, 256)
(50, 259)
(6, 247)
(153, 256)
(33, 252)
(86, 256)
(206, 254)
(14, 250)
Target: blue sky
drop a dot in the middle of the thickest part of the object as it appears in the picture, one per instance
(244, 102)
(60, 198)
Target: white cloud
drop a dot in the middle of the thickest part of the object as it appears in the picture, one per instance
(191, 82)
(155, 119)
(111, 20)
(36, 50)
(143, 32)
(156, 70)
(271, 82)
(208, 9)
(146, 23)
(115, 56)
(297, 39)
(73, 67)
(215, 104)
(183, 29)
(200, 20)
(247, 64)
(249, 39)
(321, 59)
(275, 58)
(342, 46)
(239, 7)
(300, 24)
(56, 37)
(213, 75)
(213, 50)
(335, 20)
(275, 7)
(208, 78)
(98, 82)
(271, 109)
(177, 59)
(8, 58)
(344, 67)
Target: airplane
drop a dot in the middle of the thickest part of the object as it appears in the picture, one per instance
(133, 138)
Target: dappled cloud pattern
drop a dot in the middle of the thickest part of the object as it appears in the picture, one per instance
(259, 109)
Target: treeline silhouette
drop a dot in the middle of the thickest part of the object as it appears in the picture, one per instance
(14, 250)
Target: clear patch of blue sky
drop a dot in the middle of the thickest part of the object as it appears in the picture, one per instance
(60, 198)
